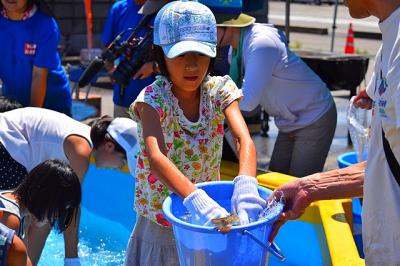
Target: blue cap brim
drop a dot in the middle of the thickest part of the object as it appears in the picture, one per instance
(182, 47)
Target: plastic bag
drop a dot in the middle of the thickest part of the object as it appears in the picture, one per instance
(358, 122)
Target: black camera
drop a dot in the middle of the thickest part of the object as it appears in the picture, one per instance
(134, 51)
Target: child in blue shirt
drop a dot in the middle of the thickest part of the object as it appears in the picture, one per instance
(30, 66)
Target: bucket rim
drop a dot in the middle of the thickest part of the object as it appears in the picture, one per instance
(340, 158)
(210, 229)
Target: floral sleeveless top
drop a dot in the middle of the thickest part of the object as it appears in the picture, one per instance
(194, 147)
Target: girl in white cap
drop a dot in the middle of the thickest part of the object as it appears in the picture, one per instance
(180, 128)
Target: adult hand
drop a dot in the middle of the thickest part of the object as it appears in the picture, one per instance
(246, 202)
(145, 71)
(297, 199)
(362, 100)
(72, 262)
(201, 205)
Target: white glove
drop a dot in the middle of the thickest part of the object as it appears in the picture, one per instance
(246, 202)
(205, 208)
(72, 262)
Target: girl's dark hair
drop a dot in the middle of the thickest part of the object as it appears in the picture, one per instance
(51, 191)
(99, 134)
(159, 58)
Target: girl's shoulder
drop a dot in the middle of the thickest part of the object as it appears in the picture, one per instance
(159, 86)
(216, 84)
(156, 92)
(43, 22)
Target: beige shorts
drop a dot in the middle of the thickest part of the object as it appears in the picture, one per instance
(151, 244)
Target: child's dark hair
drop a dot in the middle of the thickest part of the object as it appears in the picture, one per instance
(99, 134)
(8, 104)
(52, 192)
(158, 56)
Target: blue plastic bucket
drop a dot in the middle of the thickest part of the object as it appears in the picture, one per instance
(345, 160)
(203, 245)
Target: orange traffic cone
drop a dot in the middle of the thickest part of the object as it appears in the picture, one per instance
(349, 48)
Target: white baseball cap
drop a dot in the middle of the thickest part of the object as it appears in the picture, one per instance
(185, 26)
(124, 132)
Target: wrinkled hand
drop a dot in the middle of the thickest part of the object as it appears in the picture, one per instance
(145, 71)
(246, 202)
(72, 262)
(362, 100)
(205, 208)
(296, 202)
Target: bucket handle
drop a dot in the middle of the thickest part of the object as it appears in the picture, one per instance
(270, 246)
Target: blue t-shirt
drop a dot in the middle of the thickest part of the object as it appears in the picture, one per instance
(28, 43)
(123, 15)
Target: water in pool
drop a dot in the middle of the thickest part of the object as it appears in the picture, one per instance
(106, 222)
(96, 247)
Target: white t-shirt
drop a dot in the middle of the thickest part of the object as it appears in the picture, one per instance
(381, 207)
(280, 81)
(32, 135)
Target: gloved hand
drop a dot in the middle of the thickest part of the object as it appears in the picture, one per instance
(72, 262)
(200, 204)
(246, 202)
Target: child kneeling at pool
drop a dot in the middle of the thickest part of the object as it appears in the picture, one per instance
(49, 195)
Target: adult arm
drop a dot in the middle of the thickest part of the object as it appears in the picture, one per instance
(335, 184)
(244, 143)
(160, 164)
(38, 86)
(259, 66)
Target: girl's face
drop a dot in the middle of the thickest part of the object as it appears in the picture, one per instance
(187, 71)
(15, 6)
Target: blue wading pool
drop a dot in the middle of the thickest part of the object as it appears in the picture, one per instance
(108, 218)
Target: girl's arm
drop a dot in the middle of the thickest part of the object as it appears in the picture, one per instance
(160, 165)
(244, 143)
(38, 86)
(17, 254)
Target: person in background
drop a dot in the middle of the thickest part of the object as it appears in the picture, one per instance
(49, 194)
(30, 136)
(180, 128)
(377, 179)
(30, 66)
(117, 135)
(123, 15)
(286, 88)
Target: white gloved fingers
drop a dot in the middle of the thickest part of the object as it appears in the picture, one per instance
(243, 217)
(205, 208)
